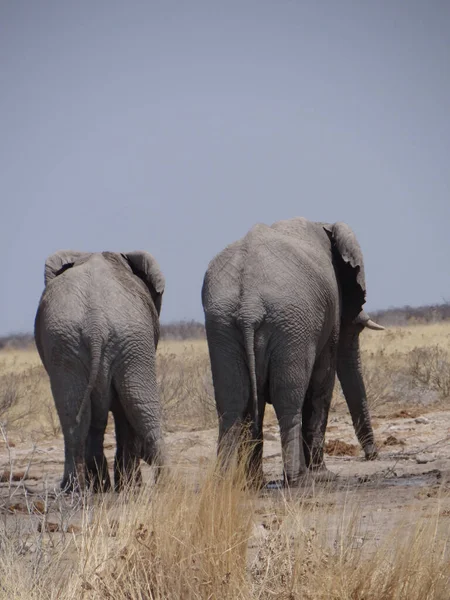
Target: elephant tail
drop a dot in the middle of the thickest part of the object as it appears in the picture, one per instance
(249, 343)
(96, 355)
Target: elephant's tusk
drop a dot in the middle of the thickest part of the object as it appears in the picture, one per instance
(372, 325)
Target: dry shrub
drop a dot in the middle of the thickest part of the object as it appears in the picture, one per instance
(183, 330)
(9, 393)
(17, 396)
(186, 390)
(26, 403)
(430, 367)
(383, 379)
(395, 378)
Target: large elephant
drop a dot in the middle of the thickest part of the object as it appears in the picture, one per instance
(96, 331)
(283, 313)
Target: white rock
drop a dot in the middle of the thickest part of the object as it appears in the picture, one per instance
(422, 459)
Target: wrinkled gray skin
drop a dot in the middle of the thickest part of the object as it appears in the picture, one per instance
(283, 311)
(96, 330)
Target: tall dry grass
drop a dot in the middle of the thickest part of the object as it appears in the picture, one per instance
(220, 541)
(217, 539)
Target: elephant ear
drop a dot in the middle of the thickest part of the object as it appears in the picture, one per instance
(60, 261)
(350, 268)
(146, 268)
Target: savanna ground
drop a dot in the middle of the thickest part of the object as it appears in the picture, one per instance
(379, 532)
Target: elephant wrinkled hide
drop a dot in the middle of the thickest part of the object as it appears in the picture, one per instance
(96, 331)
(283, 314)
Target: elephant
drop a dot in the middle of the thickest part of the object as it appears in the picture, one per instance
(283, 314)
(96, 332)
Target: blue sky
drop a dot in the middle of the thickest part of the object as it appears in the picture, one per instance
(175, 126)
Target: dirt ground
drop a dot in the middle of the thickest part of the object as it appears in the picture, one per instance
(408, 483)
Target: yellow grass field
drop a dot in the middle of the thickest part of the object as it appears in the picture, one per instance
(379, 532)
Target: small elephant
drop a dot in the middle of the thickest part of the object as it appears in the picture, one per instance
(96, 331)
(283, 313)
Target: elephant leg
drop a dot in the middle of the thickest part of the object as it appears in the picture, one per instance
(317, 406)
(231, 389)
(68, 389)
(252, 450)
(294, 465)
(289, 375)
(127, 469)
(137, 393)
(97, 474)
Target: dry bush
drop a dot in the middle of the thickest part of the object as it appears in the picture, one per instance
(183, 330)
(18, 396)
(383, 379)
(430, 367)
(186, 390)
(409, 315)
(17, 341)
(26, 404)
(179, 544)
(9, 394)
(399, 374)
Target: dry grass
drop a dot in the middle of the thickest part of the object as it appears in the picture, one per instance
(219, 540)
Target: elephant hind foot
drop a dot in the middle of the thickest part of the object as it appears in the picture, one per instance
(316, 464)
(73, 483)
(322, 473)
(291, 481)
(287, 483)
(153, 454)
(316, 473)
(97, 476)
(67, 485)
(123, 483)
(127, 474)
(254, 479)
(275, 484)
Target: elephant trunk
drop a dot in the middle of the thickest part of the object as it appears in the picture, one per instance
(349, 372)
